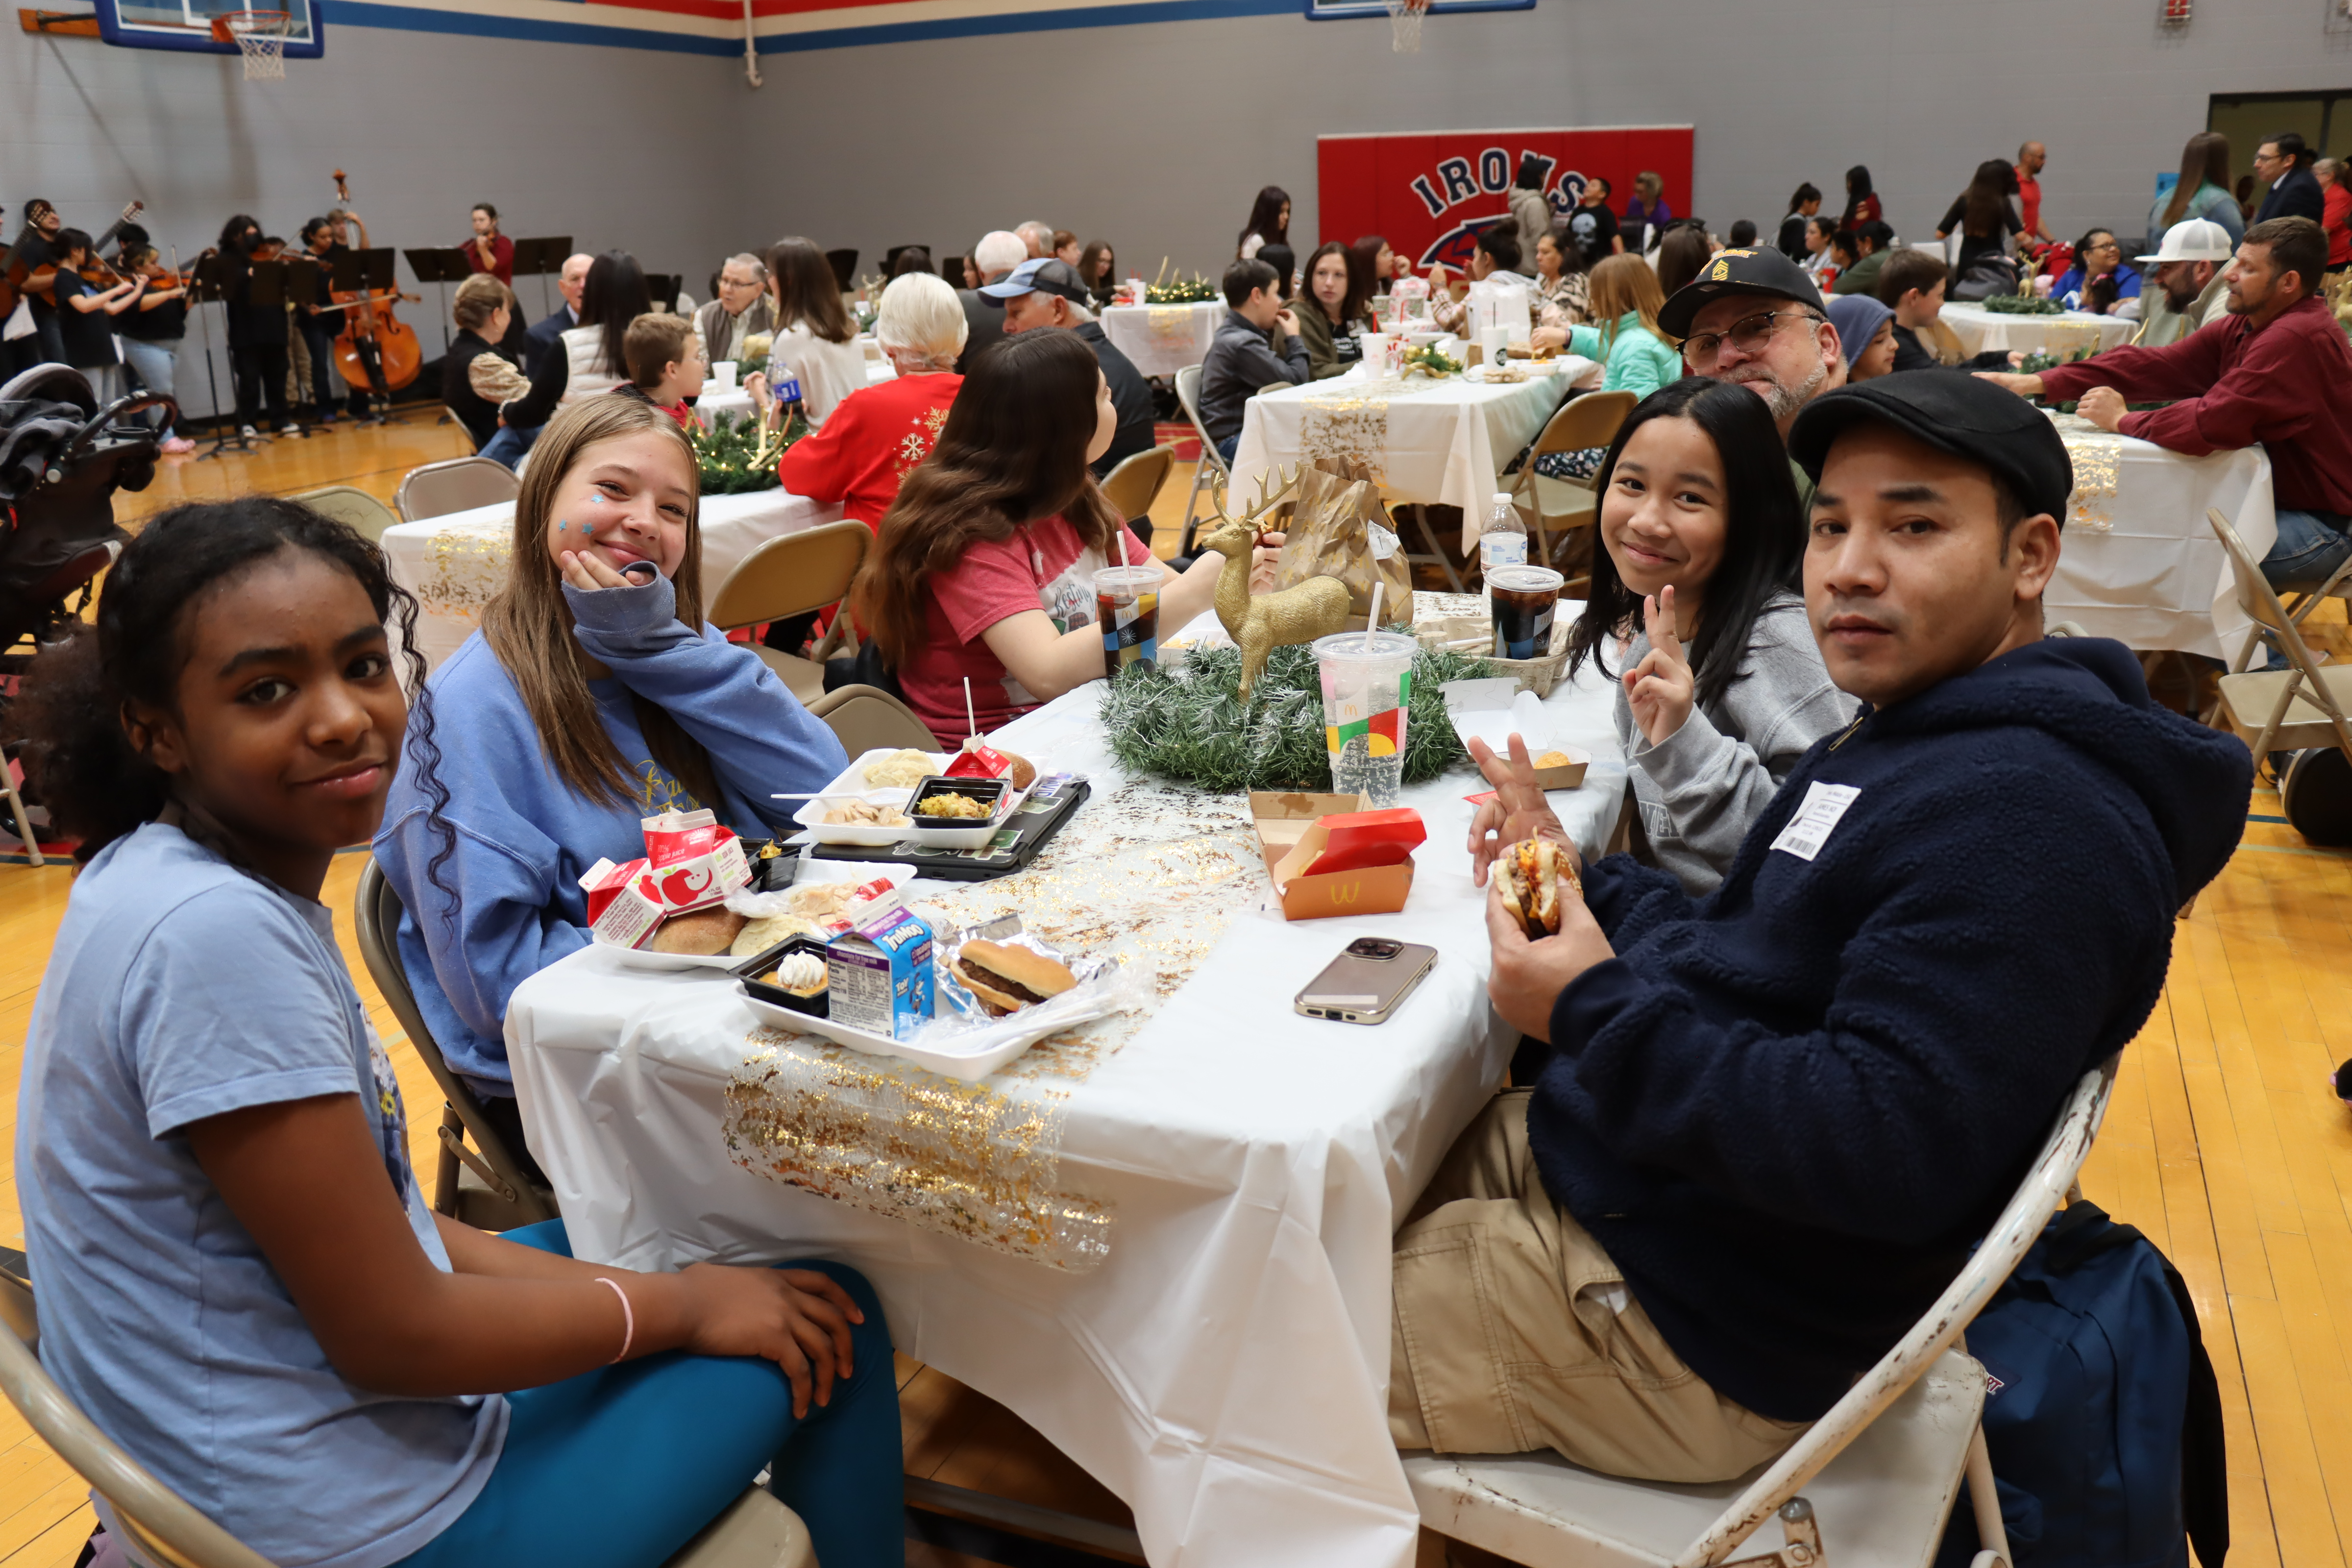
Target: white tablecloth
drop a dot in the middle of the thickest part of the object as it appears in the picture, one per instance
(2136, 560)
(1217, 1351)
(734, 400)
(1979, 328)
(1163, 339)
(1444, 442)
(454, 563)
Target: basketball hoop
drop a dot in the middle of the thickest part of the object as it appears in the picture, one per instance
(260, 36)
(1404, 25)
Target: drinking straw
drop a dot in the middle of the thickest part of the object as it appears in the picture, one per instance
(1373, 621)
(971, 724)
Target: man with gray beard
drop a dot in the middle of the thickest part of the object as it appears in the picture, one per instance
(1752, 316)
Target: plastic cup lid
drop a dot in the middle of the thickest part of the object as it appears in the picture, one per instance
(1353, 647)
(1524, 579)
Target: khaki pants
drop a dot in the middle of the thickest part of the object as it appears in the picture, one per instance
(1513, 1332)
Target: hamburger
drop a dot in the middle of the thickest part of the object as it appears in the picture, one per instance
(1007, 978)
(1529, 876)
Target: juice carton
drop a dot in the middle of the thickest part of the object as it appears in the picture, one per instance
(880, 971)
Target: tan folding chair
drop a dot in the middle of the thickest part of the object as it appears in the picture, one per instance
(489, 1189)
(1566, 505)
(1137, 482)
(362, 511)
(2304, 704)
(756, 1531)
(1879, 1472)
(791, 576)
(460, 484)
(867, 719)
(23, 824)
(1210, 473)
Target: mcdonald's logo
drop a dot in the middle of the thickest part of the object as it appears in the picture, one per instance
(1348, 892)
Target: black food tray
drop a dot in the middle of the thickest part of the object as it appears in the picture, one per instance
(1016, 844)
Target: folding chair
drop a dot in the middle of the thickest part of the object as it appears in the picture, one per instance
(1880, 1471)
(756, 1531)
(23, 824)
(459, 484)
(790, 577)
(1210, 473)
(867, 719)
(488, 1190)
(2304, 704)
(356, 506)
(1137, 482)
(1592, 420)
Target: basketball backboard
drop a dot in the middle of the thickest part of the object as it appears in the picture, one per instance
(187, 26)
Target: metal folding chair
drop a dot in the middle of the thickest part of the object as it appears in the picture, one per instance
(2304, 704)
(1879, 1473)
(867, 719)
(1210, 473)
(355, 507)
(790, 577)
(1137, 482)
(459, 484)
(488, 1189)
(1564, 505)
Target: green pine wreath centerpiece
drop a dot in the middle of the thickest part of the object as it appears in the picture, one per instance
(1188, 723)
(2021, 305)
(735, 456)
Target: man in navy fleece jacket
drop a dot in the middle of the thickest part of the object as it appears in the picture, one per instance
(1777, 1117)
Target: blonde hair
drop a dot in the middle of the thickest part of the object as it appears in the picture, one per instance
(478, 299)
(921, 314)
(529, 623)
(1625, 283)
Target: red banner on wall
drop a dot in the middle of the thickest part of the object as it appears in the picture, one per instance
(1428, 194)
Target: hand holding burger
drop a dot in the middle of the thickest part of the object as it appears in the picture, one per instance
(1542, 933)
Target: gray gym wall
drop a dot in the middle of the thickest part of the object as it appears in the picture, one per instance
(1152, 136)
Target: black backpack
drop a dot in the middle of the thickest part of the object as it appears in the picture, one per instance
(2315, 792)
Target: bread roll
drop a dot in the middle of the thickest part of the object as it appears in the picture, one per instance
(702, 931)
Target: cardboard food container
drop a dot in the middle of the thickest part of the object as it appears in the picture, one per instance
(1496, 707)
(1296, 831)
(690, 863)
(879, 975)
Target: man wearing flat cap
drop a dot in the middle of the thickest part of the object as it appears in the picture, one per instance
(1775, 1120)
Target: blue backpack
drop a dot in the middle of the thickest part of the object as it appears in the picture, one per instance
(2102, 1413)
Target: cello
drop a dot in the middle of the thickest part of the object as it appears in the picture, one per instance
(376, 350)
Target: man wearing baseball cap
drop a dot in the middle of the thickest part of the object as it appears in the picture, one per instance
(1752, 316)
(2191, 291)
(1775, 1120)
(1045, 292)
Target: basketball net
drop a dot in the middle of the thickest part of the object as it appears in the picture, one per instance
(261, 37)
(1404, 25)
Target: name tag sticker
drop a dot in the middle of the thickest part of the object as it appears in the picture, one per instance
(1825, 805)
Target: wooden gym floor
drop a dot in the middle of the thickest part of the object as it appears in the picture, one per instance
(2223, 1144)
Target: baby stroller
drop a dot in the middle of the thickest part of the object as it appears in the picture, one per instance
(62, 458)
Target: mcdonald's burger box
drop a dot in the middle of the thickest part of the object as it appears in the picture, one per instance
(1329, 855)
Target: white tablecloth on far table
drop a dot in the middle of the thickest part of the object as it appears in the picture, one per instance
(734, 400)
(1212, 1188)
(1979, 328)
(2136, 560)
(455, 562)
(1163, 339)
(1443, 442)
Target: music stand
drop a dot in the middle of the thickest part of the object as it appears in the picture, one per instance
(445, 267)
(539, 258)
(204, 286)
(367, 272)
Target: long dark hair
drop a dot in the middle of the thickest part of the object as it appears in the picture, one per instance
(1013, 452)
(1351, 304)
(807, 293)
(2205, 161)
(232, 235)
(1090, 262)
(1808, 192)
(1363, 266)
(1265, 219)
(1987, 199)
(529, 624)
(1284, 262)
(1857, 186)
(69, 713)
(613, 295)
(1682, 256)
(1763, 535)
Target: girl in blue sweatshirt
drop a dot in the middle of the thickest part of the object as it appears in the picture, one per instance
(239, 1279)
(587, 701)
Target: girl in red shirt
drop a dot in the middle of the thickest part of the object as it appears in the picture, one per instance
(986, 560)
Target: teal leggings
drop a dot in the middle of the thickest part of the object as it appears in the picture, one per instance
(620, 1467)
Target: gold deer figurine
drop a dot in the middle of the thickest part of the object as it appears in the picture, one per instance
(1260, 623)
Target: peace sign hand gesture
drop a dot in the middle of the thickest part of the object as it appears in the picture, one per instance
(1660, 689)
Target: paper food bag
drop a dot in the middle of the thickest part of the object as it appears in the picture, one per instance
(1339, 529)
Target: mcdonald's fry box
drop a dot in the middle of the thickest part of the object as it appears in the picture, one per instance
(1328, 854)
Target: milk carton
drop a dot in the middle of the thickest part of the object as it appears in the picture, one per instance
(690, 863)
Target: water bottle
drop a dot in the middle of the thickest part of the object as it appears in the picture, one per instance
(1502, 542)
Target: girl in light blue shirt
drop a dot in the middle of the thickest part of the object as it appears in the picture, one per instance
(239, 1280)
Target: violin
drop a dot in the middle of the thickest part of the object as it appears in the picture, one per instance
(368, 321)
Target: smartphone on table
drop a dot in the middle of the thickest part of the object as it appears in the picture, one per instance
(1366, 983)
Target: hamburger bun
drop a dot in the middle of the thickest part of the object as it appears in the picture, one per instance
(1025, 771)
(1007, 978)
(700, 931)
(1529, 876)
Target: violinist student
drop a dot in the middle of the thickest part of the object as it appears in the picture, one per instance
(320, 325)
(86, 311)
(489, 250)
(256, 333)
(34, 248)
(151, 331)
